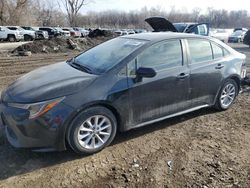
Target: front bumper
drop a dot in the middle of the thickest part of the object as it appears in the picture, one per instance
(233, 40)
(41, 134)
(19, 37)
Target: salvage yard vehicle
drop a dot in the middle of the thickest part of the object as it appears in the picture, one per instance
(72, 32)
(63, 32)
(83, 31)
(237, 36)
(160, 24)
(38, 34)
(125, 83)
(221, 34)
(51, 31)
(27, 34)
(10, 35)
(246, 39)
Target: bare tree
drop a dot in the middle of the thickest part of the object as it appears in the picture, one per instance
(2, 8)
(73, 7)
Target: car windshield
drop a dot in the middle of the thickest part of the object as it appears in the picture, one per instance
(180, 27)
(237, 33)
(103, 57)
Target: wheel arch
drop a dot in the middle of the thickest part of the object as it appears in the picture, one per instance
(234, 77)
(104, 104)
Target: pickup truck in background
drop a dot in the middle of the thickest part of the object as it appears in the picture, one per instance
(10, 35)
(28, 35)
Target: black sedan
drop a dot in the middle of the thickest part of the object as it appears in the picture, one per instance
(127, 82)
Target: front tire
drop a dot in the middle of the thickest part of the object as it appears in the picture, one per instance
(11, 38)
(227, 95)
(92, 130)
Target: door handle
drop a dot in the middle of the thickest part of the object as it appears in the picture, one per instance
(182, 76)
(219, 66)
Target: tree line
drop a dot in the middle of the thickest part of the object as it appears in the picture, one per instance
(68, 13)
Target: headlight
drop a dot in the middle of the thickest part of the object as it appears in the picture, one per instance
(37, 109)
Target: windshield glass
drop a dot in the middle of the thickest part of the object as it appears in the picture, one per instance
(106, 55)
(237, 33)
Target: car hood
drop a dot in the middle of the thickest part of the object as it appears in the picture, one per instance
(28, 32)
(47, 83)
(160, 24)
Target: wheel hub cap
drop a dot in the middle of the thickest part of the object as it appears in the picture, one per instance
(228, 95)
(94, 132)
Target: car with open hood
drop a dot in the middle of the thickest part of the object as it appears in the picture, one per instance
(160, 24)
(124, 83)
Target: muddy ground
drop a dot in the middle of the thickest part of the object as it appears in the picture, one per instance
(203, 149)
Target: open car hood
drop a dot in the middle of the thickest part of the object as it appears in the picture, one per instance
(160, 24)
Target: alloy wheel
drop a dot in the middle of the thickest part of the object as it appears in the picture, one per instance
(228, 95)
(94, 132)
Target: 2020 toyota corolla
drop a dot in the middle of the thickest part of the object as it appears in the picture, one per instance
(127, 82)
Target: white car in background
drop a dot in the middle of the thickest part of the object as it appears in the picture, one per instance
(64, 33)
(73, 33)
(83, 31)
(10, 35)
(221, 34)
(28, 34)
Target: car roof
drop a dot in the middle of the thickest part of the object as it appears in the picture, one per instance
(159, 36)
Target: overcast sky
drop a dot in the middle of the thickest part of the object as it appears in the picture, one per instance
(186, 5)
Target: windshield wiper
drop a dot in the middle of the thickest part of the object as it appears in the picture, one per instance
(79, 66)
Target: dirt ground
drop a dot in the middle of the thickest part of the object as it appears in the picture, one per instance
(202, 149)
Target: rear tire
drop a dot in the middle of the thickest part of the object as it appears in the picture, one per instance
(227, 95)
(28, 38)
(92, 130)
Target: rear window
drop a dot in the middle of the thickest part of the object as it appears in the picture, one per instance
(200, 50)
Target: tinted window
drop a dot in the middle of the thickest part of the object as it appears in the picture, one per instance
(217, 51)
(106, 55)
(162, 55)
(200, 50)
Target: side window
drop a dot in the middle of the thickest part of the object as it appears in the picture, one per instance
(200, 50)
(161, 56)
(226, 52)
(217, 51)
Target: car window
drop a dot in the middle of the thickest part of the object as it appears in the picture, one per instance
(200, 50)
(160, 56)
(217, 51)
(108, 54)
(226, 52)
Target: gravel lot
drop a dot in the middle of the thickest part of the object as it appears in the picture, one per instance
(205, 148)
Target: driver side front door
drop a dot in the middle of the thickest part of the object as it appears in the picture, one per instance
(164, 94)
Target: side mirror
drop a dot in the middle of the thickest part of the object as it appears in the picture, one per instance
(144, 72)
